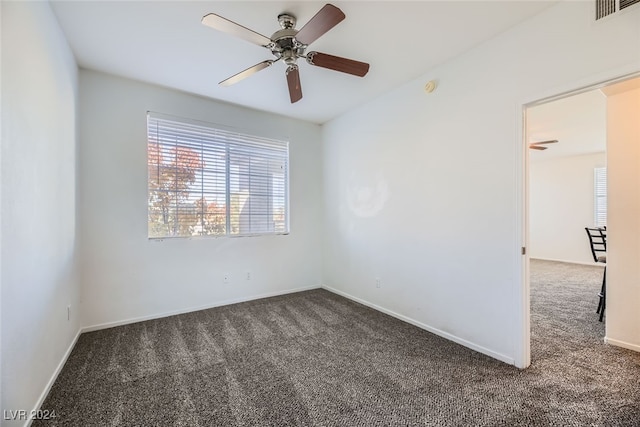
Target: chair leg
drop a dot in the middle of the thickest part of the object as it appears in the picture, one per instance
(603, 295)
(600, 296)
(599, 303)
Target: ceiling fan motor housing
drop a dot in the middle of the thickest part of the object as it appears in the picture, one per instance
(284, 43)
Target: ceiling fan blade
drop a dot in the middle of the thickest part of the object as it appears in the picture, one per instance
(293, 80)
(219, 23)
(537, 147)
(551, 141)
(337, 63)
(246, 73)
(326, 18)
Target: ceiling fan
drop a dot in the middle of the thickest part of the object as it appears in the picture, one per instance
(289, 45)
(540, 145)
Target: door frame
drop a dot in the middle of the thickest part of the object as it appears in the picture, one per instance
(522, 353)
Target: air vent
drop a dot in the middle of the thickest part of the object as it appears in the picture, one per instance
(605, 8)
(626, 3)
(609, 7)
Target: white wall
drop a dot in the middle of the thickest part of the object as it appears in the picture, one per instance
(1, 144)
(125, 275)
(39, 280)
(561, 204)
(623, 221)
(425, 191)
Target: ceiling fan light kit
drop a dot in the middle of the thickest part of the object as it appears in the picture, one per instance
(289, 45)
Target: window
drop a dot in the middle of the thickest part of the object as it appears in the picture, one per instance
(207, 181)
(600, 196)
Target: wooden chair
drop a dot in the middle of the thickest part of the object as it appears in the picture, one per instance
(598, 242)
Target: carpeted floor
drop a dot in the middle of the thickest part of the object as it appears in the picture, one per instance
(317, 359)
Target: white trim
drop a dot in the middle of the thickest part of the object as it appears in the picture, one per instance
(590, 264)
(54, 377)
(521, 296)
(426, 327)
(623, 344)
(597, 81)
(192, 309)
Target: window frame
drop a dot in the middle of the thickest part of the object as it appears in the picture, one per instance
(599, 192)
(152, 115)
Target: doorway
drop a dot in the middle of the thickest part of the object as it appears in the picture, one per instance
(566, 139)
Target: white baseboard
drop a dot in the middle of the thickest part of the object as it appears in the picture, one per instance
(450, 337)
(590, 264)
(53, 378)
(622, 344)
(421, 325)
(192, 309)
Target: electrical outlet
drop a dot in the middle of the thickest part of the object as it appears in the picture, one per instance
(226, 278)
(68, 313)
(377, 282)
(248, 275)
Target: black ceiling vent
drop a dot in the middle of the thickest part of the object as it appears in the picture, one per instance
(609, 7)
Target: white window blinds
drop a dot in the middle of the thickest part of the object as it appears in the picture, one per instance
(206, 181)
(600, 196)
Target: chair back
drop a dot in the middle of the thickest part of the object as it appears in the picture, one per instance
(598, 242)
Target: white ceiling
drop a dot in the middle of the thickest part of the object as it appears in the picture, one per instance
(578, 122)
(163, 42)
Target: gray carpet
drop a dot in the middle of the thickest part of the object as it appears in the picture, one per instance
(316, 359)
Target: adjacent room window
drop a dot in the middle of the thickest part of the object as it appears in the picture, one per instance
(600, 196)
(207, 181)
